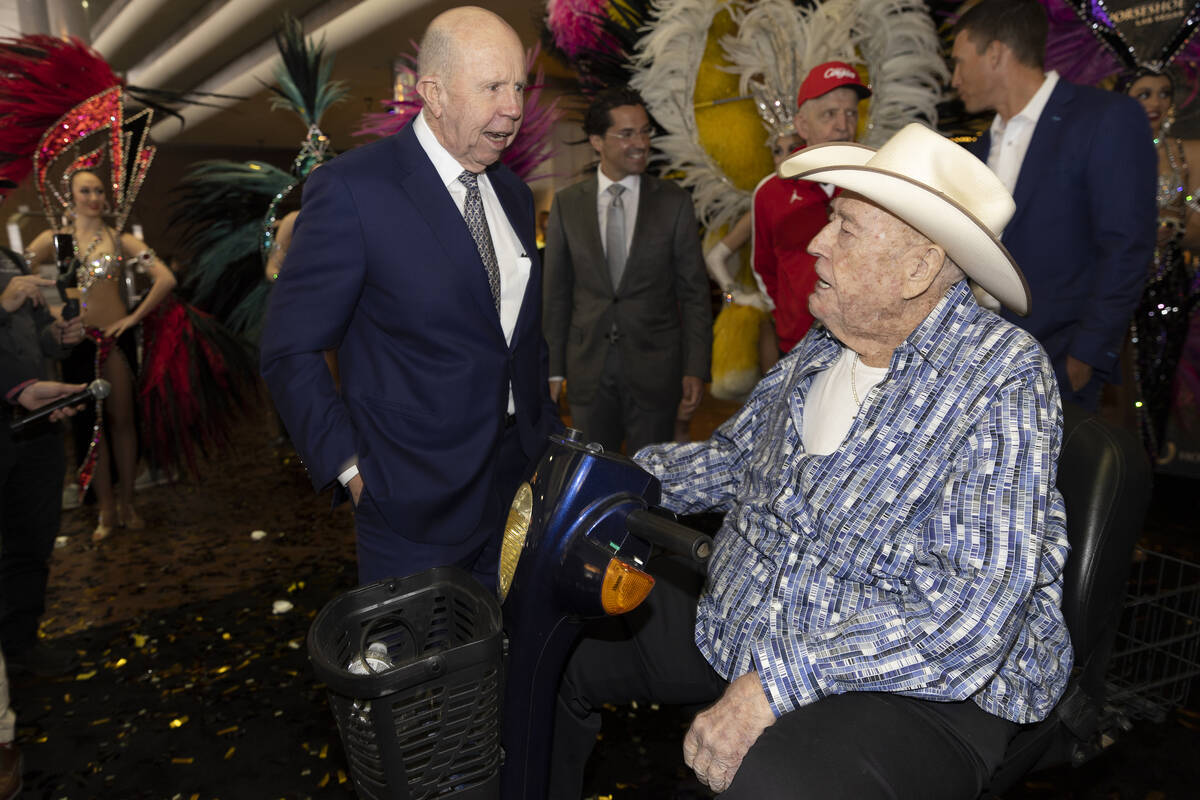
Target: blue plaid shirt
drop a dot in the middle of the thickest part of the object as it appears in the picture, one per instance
(923, 556)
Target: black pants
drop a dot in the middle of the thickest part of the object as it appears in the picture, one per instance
(31, 471)
(611, 416)
(857, 745)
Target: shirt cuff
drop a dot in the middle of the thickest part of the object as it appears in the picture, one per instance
(785, 676)
(348, 474)
(15, 392)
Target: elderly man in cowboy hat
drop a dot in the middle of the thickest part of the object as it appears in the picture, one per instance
(882, 609)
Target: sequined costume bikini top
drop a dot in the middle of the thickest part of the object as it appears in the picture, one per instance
(108, 267)
(113, 267)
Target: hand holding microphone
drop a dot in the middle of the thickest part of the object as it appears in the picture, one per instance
(55, 400)
(23, 288)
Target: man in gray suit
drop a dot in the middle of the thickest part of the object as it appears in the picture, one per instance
(627, 314)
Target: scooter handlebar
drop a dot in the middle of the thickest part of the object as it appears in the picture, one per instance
(669, 535)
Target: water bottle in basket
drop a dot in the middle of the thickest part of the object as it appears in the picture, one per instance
(371, 662)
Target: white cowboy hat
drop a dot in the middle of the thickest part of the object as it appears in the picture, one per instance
(935, 186)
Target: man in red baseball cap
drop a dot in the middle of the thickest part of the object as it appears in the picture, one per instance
(788, 213)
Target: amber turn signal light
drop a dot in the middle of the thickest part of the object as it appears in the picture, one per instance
(624, 588)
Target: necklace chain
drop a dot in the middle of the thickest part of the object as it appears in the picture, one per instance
(1177, 176)
(87, 255)
(853, 383)
(1176, 192)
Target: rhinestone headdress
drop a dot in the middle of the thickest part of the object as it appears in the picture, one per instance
(62, 111)
(95, 136)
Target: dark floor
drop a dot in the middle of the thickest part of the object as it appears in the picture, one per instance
(193, 686)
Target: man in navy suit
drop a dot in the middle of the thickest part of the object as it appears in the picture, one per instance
(1081, 165)
(414, 257)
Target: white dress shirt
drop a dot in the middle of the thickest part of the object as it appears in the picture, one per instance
(1010, 140)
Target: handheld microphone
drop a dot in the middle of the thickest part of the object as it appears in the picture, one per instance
(64, 254)
(96, 390)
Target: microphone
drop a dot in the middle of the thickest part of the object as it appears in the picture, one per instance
(64, 254)
(96, 390)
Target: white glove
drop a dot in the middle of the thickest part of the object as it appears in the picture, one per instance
(718, 270)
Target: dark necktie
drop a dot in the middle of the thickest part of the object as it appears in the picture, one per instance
(478, 226)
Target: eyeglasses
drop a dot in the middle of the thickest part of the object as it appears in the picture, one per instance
(629, 134)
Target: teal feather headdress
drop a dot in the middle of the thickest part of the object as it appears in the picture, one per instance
(219, 207)
(227, 209)
(304, 87)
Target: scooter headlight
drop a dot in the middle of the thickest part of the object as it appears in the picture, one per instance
(520, 514)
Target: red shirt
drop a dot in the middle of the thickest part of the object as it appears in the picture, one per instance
(788, 213)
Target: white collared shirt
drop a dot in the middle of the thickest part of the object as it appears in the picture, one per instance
(1010, 140)
(629, 197)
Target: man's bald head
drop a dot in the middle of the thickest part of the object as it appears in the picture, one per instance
(451, 32)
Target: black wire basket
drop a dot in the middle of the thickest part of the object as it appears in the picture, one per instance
(428, 725)
(1156, 653)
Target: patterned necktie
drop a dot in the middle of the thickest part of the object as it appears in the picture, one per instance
(614, 234)
(478, 225)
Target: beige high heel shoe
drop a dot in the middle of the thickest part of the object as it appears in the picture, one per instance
(104, 527)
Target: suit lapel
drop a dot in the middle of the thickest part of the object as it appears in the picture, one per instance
(429, 196)
(514, 209)
(585, 219)
(647, 196)
(1040, 157)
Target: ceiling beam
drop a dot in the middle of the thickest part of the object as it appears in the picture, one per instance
(339, 33)
(122, 31)
(211, 34)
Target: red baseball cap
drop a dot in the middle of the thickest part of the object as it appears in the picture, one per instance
(824, 78)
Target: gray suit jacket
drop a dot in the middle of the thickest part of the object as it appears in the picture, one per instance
(662, 307)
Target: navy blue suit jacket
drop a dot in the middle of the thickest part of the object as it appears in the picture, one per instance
(383, 268)
(1084, 229)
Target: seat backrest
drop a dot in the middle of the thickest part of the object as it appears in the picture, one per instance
(1104, 477)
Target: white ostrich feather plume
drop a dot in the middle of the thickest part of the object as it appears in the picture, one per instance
(664, 71)
(775, 46)
(900, 46)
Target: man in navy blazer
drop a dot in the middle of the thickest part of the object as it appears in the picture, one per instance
(1081, 165)
(443, 403)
